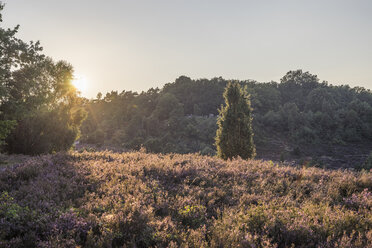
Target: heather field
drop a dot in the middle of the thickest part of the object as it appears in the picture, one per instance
(136, 199)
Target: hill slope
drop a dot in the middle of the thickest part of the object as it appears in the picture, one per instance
(139, 200)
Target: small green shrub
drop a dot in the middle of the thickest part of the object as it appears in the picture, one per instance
(192, 216)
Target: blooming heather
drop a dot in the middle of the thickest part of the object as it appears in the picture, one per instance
(104, 199)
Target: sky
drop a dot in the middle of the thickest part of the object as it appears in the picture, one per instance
(136, 45)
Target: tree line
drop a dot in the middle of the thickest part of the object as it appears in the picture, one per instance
(41, 112)
(182, 116)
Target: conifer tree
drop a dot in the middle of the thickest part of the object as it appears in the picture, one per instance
(234, 134)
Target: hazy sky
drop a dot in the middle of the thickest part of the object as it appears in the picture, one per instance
(135, 45)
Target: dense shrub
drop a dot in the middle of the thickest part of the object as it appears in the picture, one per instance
(146, 200)
(234, 135)
(39, 108)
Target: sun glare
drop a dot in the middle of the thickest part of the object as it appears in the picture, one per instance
(80, 83)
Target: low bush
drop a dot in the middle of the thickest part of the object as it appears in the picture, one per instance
(103, 199)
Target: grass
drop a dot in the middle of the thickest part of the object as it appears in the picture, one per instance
(103, 199)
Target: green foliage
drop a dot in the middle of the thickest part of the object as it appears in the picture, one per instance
(193, 216)
(234, 134)
(5, 128)
(168, 106)
(13, 53)
(40, 109)
(181, 117)
(8, 208)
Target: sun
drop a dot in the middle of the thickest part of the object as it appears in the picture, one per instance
(80, 83)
